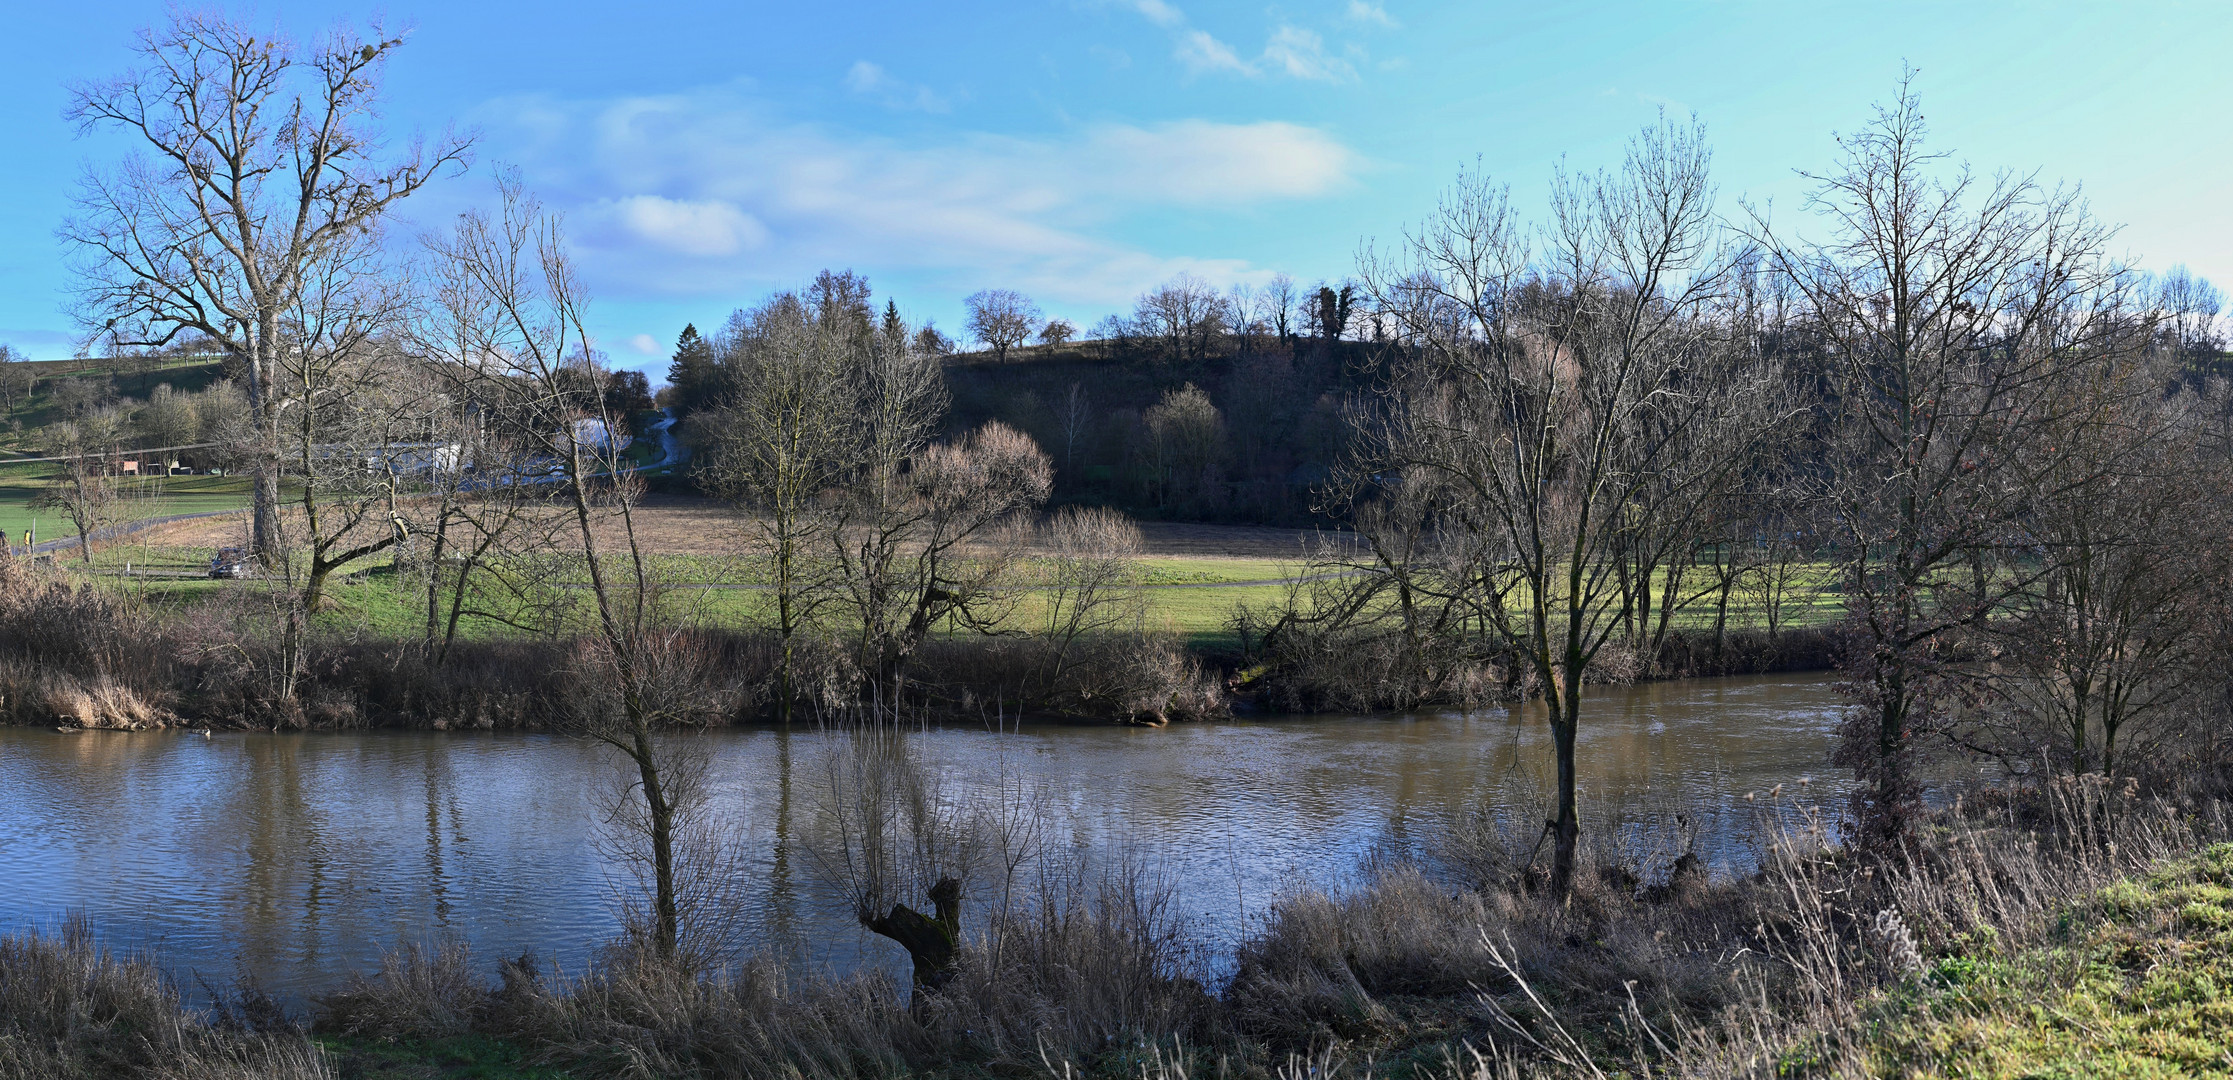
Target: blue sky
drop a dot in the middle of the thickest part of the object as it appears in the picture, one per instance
(705, 153)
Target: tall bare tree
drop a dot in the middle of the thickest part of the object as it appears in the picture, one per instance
(1949, 310)
(257, 157)
(348, 401)
(1543, 401)
(531, 347)
(481, 504)
(784, 437)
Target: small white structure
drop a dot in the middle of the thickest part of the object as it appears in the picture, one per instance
(592, 433)
(402, 459)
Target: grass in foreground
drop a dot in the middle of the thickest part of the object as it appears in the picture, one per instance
(459, 1057)
(2137, 982)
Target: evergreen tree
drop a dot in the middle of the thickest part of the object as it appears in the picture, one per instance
(895, 328)
(695, 375)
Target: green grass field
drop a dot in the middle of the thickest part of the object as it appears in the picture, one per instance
(138, 500)
(1194, 597)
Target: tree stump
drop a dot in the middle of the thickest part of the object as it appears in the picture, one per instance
(933, 943)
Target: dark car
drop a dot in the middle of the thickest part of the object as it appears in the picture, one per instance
(231, 562)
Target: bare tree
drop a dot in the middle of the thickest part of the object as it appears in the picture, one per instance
(1002, 318)
(167, 418)
(1280, 301)
(258, 157)
(84, 492)
(1948, 309)
(639, 674)
(919, 545)
(2187, 308)
(1074, 419)
(347, 404)
(897, 834)
(1185, 316)
(784, 438)
(480, 503)
(2126, 527)
(1520, 431)
(17, 379)
(1088, 585)
(1185, 440)
(1057, 333)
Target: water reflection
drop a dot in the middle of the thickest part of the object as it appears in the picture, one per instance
(299, 857)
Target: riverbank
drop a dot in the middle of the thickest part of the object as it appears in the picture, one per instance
(2076, 926)
(74, 655)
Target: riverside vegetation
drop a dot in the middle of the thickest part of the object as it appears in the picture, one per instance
(1637, 438)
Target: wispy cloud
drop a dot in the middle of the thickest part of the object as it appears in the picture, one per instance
(1369, 13)
(1290, 50)
(710, 193)
(1200, 52)
(688, 227)
(1160, 13)
(1302, 54)
(872, 81)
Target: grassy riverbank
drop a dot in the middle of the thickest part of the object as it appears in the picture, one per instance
(138, 641)
(2079, 929)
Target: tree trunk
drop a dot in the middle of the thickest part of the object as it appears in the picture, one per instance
(1567, 829)
(933, 943)
(667, 934)
(264, 535)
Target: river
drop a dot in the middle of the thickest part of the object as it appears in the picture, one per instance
(298, 858)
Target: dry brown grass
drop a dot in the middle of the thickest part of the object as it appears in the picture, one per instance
(1102, 967)
(690, 525)
(69, 1009)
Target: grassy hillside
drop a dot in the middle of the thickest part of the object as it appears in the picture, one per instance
(132, 377)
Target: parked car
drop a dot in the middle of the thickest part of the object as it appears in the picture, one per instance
(231, 562)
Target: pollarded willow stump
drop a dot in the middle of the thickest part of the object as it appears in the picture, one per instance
(932, 942)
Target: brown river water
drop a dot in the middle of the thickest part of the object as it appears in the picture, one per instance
(298, 858)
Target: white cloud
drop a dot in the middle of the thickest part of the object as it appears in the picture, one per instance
(1291, 50)
(1362, 12)
(752, 201)
(685, 227)
(1160, 13)
(644, 344)
(864, 77)
(872, 81)
(1200, 52)
(1302, 54)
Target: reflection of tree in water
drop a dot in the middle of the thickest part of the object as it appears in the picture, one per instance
(286, 882)
(441, 796)
(783, 897)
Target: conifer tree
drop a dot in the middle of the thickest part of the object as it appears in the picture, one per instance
(694, 374)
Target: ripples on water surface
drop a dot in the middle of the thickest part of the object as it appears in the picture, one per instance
(300, 857)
